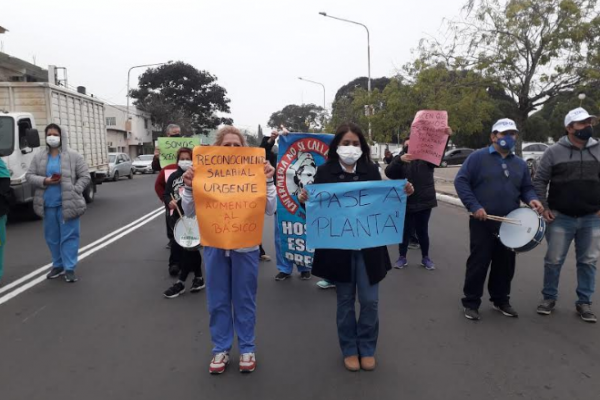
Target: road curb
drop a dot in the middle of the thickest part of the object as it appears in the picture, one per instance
(446, 198)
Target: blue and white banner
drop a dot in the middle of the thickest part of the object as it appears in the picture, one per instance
(355, 215)
(299, 156)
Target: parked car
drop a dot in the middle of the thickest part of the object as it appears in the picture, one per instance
(119, 164)
(143, 164)
(455, 156)
(533, 152)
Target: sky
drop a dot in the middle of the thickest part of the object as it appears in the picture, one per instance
(257, 49)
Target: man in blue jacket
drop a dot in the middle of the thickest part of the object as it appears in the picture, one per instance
(493, 181)
(572, 170)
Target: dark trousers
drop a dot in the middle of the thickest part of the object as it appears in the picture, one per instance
(176, 250)
(188, 261)
(191, 261)
(416, 223)
(168, 224)
(486, 248)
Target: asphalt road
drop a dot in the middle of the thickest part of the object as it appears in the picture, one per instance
(113, 336)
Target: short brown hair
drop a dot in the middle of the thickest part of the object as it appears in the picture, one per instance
(229, 130)
(184, 150)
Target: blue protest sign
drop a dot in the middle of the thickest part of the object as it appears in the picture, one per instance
(355, 215)
(299, 156)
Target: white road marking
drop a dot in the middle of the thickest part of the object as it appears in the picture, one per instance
(84, 252)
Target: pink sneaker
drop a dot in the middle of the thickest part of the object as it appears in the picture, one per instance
(219, 363)
(247, 362)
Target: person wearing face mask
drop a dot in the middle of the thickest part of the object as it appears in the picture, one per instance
(353, 271)
(572, 171)
(189, 260)
(159, 186)
(231, 277)
(419, 206)
(59, 177)
(172, 131)
(492, 181)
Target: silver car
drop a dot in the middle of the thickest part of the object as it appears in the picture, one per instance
(119, 164)
(533, 152)
(143, 164)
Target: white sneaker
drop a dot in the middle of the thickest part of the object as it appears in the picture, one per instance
(219, 363)
(247, 362)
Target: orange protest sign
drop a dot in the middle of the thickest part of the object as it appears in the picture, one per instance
(230, 195)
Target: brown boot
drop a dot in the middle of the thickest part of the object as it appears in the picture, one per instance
(368, 363)
(351, 363)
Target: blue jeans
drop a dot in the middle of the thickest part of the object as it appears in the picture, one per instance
(62, 238)
(283, 264)
(559, 234)
(231, 285)
(358, 338)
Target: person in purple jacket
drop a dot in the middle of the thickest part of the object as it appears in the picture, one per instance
(493, 181)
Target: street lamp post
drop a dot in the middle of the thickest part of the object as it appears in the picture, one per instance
(127, 125)
(317, 83)
(368, 58)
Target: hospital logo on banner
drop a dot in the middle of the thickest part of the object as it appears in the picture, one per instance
(296, 169)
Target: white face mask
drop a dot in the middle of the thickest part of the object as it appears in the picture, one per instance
(53, 141)
(185, 164)
(349, 154)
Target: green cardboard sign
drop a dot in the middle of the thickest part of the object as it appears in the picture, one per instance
(169, 146)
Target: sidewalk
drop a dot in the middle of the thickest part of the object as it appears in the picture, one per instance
(444, 188)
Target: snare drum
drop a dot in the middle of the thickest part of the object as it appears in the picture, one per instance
(527, 235)
(186, 233)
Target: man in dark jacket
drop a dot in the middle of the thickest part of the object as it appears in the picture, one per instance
(572, 170)
(419, 205)
(492, 181)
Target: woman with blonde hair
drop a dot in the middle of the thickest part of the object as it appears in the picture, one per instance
(231, 277)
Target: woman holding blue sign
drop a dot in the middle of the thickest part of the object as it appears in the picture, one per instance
(353, 271)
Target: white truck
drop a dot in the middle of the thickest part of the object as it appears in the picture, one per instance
(26, 109)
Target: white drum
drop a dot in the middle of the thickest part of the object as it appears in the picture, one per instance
(186, 233)
(526, 235)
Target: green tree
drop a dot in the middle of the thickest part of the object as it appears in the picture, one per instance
(184, 92)
(260, 134)
(534, 49)
(555, 110)
(301, 118)
(461, 93)
(252, 140)
(344, 109)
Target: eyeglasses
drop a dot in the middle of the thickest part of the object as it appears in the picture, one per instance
(506, 171)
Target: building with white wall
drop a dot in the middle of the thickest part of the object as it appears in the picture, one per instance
(139, 138)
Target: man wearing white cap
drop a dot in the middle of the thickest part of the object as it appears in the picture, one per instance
(492, 181)
(572, 202)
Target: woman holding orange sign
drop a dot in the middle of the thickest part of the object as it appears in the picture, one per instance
(231, 277)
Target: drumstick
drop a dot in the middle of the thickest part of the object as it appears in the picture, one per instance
(502, 219)
(180, 214)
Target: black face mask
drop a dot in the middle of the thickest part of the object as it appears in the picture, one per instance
(175, 136)
(405, 149)
(584, 134)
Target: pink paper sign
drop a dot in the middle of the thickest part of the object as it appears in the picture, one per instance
(428, 136)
